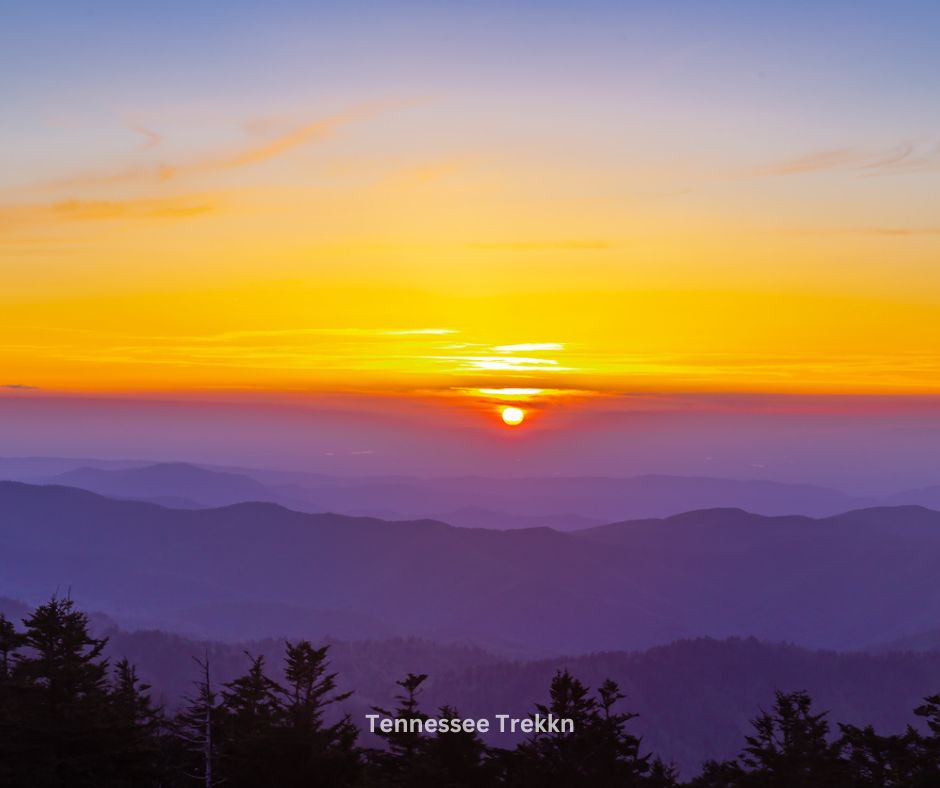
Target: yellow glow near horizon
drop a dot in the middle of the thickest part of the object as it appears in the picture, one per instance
(274, 337)
(513, 416)
(511, 392)
(429, 272)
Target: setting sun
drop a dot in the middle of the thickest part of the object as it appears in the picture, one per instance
(513, 416)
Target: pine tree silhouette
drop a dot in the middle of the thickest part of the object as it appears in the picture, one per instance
(10, 641)
(458, 758)
(789, 747)
(881, 761)
(66, 721)
(405, 762)
(250, 712)
(929, 745)
(137, 728)
(196, 727)
(61, 723)
(598, 752)
(719, 774)
(308, 749)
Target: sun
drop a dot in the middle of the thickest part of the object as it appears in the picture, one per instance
(513, 416)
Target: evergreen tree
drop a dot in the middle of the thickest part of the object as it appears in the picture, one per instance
(616, 747)
(719, 774)
(789, 747)
(251, 711)
(310, 687)
(662, 775)
(881, 761)
(62, 736)
(457, 758)
(598, 751)
(63, 657)
(11, 702)
(406, 744)
(137, 728)
(404, 763)
(10, 642)
(308, 749)
(65, 723)
(929, 745)
(196, 729)
(930, 711)
(60, 728)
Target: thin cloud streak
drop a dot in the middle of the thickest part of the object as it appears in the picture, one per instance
(906, 157)
(317, 130)
(151, 138)
(422, 331)
(563, 245)
(528, 347)
(120, 209)
(820, 161)
(889, 232)
(181, 207)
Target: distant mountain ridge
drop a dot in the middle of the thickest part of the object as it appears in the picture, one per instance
(922, 496)
(563, 503)
(919, 642)
(840, 582)
(602, 499)
(171, 481)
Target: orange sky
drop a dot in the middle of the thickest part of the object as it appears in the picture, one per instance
(439, 234)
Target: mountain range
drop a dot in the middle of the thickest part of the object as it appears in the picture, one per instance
(257, 569)
(562, 503)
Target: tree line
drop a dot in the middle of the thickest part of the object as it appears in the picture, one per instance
(68, 718)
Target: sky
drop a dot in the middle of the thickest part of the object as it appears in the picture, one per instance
(422, 212)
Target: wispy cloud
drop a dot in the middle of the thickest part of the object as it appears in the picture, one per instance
(316, 130)
(508, 392)
(531, 397)
(346, 349)
(151, 138)
(339, 331)
(18, 387)
(25, 215)
(529, 347)
(418, 331)
(564, 245)
(140, 209)
(502, 364)
(906, 157)
(836, 158)
(901, 231)
(889, 232)
(430, 172)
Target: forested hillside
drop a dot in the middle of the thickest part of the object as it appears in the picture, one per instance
(695, 699)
